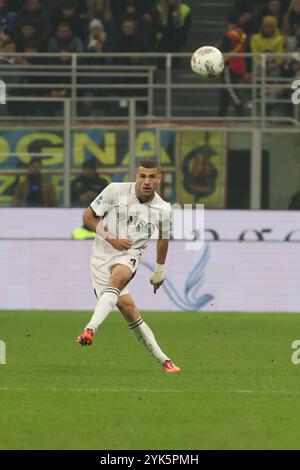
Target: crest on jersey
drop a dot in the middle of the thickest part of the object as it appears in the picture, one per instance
(98, 200)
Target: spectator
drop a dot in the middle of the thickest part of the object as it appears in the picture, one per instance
(7, 19)
(33, 46)
(172, 24)
(100, 10)
(143, 9)
(35, 191)
(3, 39)
(272, 8)
(14, 77)
(247, 11)
(34, 12)
(269, 40)
(68, 12)
(65, 41)
(130, 40)
(291, 69)
(292, 17)
(293, 42)
(234, 40)
(9, 47)
(29, 31)
(87, 185)
(98, 40)
(32, 77)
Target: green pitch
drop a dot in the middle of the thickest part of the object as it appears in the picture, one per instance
(238, 389)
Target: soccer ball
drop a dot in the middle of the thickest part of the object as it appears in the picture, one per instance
(208, 62)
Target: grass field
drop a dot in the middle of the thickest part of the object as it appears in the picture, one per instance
(238, 388)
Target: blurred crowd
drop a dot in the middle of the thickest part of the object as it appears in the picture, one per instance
(90, 28)
(93, 25)
(271, 26)
(98, 26)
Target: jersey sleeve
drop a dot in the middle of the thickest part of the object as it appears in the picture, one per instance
(104, 202)
(165, 222)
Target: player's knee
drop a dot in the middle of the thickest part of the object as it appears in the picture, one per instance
(118, 281)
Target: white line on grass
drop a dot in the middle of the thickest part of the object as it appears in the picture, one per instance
(142, 390)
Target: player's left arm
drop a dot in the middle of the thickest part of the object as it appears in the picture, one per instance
(158, 276)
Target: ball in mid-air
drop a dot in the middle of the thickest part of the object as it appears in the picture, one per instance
(208, 62)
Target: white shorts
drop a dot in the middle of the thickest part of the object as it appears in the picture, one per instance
(101, 270)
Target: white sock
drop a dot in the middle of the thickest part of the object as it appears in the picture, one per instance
(105, 305)
(144, 334)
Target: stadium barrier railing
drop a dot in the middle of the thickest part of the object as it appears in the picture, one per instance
(163, 85)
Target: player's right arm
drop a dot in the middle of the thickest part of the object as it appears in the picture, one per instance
(93, 215)
(91, 219)
(165, 226)
(95, 223)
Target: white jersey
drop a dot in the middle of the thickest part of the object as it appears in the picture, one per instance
(124, 216)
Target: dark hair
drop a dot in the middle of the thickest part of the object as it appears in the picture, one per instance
(147, 163)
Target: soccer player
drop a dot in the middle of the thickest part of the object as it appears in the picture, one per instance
(124, 216)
